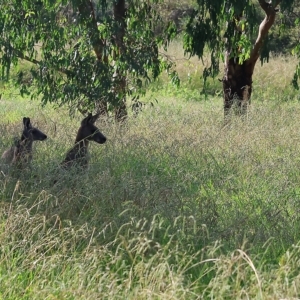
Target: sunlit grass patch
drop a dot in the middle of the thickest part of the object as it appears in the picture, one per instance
(174, 205)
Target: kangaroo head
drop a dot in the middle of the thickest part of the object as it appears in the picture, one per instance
(89, 131)
(32, 133)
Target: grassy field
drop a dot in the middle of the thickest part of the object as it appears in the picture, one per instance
(174, 205)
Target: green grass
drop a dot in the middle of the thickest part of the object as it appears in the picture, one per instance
(173, 206)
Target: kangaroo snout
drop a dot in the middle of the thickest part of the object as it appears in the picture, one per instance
(100, 139)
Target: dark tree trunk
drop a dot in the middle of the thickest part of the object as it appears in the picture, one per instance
(120, 78)
(86, 9)
(237, 86)
(237, 80)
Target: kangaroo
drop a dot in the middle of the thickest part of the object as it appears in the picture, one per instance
(87, 132)
(20, 153)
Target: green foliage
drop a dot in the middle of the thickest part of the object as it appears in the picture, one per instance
(76, 52)
(206, 27)
(230, 26)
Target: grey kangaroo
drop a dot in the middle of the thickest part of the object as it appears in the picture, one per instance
(87, 132)
(20, 153)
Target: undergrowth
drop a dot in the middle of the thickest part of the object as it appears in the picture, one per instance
(175, 205)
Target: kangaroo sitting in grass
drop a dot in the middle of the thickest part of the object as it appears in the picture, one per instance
(20, 153)
(87, 132)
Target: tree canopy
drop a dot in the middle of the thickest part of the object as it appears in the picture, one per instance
(87, 53)
(234, 32)
(83, 52)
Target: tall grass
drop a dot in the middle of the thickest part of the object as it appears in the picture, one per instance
(271, 81)
(173, 206)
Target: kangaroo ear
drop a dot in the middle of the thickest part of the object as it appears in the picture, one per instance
(87, 119)
(26, 122)
(94, 118)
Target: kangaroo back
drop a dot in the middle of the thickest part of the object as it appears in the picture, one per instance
(87, 132)
(21, 152)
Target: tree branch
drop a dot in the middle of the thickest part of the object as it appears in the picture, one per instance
(86, 9)
(27, 58)
(266, 24)
(37, 62)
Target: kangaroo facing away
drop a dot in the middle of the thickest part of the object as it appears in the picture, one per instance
(20, 153)
(87, 132)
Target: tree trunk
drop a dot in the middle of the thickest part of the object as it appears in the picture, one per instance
(237, 80)
(87, 10)
(120, 78)
(237, 86)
